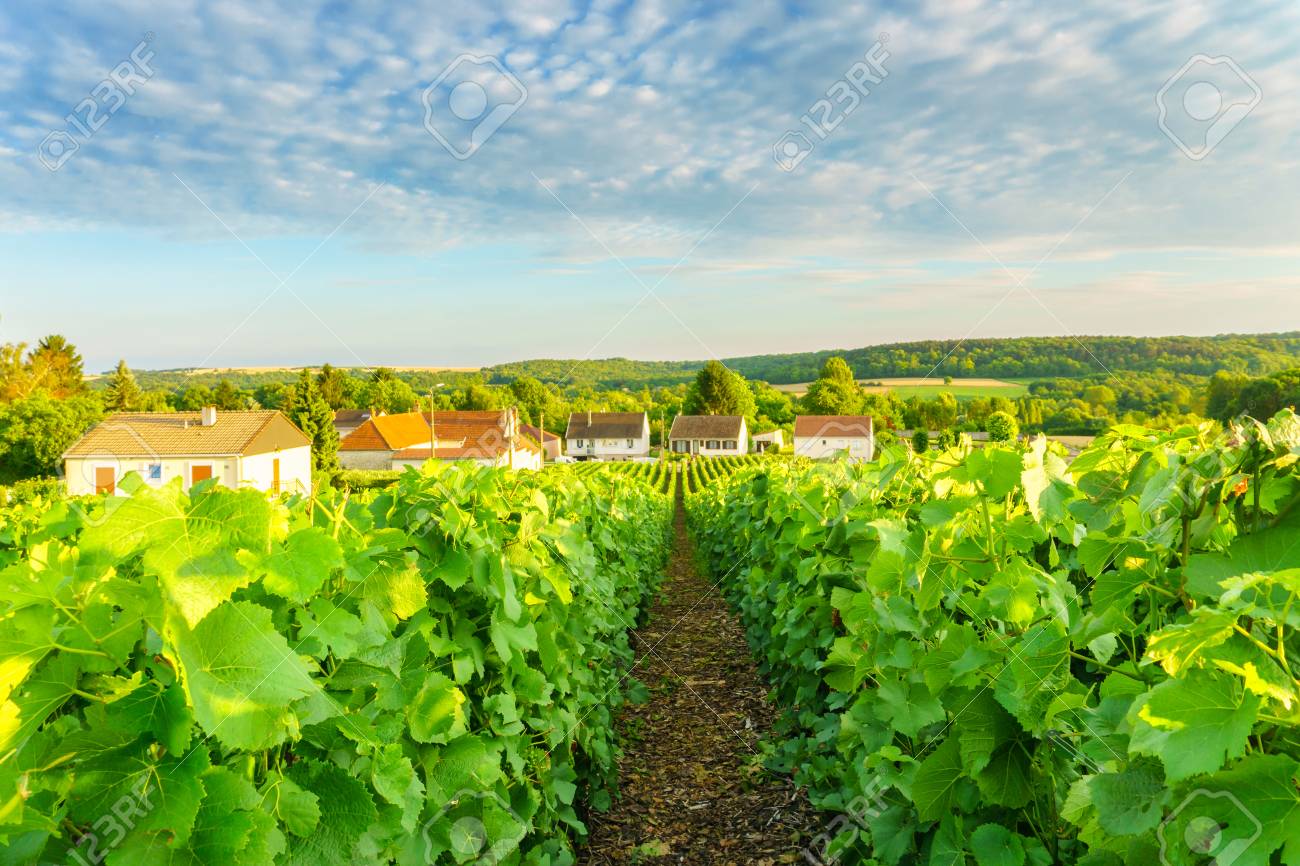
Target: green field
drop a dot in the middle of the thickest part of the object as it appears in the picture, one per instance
(962, 389)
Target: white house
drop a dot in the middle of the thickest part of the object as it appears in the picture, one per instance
(773, 439)
(260, 449)
(491, 438)
(608, 435)
(819, 436)
(710, 435)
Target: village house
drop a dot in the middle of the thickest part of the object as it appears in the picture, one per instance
(491, 438)
(709, 435)
(818, 436)
(347, 420)
(608, 436)
(260, 449)
(552, 444)
(773, 440)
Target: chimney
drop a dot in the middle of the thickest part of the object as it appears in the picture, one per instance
(208, 416)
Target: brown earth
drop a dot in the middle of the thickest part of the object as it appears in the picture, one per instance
(693, 789)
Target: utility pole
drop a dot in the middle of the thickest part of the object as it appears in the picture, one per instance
(433, 433)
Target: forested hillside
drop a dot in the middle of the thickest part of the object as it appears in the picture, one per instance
(1026, 357)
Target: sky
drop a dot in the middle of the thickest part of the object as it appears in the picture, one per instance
(198, 184)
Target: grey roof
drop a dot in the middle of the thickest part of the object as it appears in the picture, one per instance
(706, 427)
(606, 425)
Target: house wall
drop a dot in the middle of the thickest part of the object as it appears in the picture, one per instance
(857, 447)
(524, 460)
(698, 446)
(612, 449)
(258, 470)
(366, 459)
(79, 472)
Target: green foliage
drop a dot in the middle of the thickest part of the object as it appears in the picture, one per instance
(920, 441)
(719, 391)
(123, 393)
(836, 391)
(1020, 661)
(306, 407)
(389, 395)
(232, 678)
(1002, 427)
(36, 430)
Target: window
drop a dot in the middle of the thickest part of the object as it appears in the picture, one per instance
(577, 442)
(730, 443)
(153, 472)
(711, 445)
(631, 443)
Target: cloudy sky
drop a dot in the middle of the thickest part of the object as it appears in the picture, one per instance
(465, 183)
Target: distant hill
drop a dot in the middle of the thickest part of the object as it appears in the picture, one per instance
(1009, 358)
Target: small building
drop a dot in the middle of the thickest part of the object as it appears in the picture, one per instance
(608, 436)
(347, 420)
(403, 439)
(819, 436)
(709, 435)
(552, 444)
(261, 449)
(773, 440)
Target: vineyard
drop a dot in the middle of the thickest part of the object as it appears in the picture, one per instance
(399, 676)
(977, 656)
(989, 654)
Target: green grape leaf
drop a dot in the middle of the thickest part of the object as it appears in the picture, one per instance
(437, 712)
(995, 845)
(299, 570)
(935, 785)
(241, 676)
(1195, 723)
(347, 811)
(1130, 801)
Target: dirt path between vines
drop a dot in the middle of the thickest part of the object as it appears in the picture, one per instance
(692, 788)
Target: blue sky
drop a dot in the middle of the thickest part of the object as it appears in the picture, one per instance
(1007, 176)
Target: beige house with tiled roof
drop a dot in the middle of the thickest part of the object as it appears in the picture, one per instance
(709, 435)
(260, 449)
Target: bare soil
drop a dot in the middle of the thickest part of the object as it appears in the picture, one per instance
(693, 789)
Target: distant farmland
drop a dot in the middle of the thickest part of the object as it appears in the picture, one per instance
(962, 389)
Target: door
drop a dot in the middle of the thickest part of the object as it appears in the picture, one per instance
(275, 474)
(200, 473)
(105, 479)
